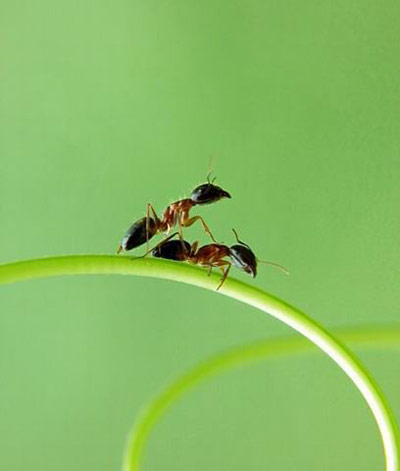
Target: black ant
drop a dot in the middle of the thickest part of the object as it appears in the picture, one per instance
(212, 256)
(176, 213)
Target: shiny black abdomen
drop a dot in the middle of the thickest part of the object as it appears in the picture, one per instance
(173, 250)
(136, 235)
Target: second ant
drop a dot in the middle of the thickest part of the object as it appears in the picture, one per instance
(212, 256)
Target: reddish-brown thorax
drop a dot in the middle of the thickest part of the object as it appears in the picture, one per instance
(209, 254)
(176, 212)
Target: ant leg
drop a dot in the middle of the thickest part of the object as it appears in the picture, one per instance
(189, 222)
(156, 218)
(157, 221)
(221, 264)
(159, 244)
(193, 248)
(180, 232)
(147, 228)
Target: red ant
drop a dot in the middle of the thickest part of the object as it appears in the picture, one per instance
(212, 256)
(176, 213)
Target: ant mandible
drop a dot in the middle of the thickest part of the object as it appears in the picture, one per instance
(212, 256)
(176, 213)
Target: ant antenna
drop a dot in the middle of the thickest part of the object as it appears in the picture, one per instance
(239, 241)
(211, 166)
(276, 265)
(208, 179)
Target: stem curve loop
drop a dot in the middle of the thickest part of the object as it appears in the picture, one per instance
(157, 268)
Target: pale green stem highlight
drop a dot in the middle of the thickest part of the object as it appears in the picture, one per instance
(152, 413)
(109, 264)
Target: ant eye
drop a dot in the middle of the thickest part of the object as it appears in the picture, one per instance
(208, 193)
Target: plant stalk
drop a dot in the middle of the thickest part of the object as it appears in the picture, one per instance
(156, 268)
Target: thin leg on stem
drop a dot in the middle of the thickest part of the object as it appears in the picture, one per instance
(158, 245)
(147, 228)
(157, 221)
(180, 232)
(225, 271)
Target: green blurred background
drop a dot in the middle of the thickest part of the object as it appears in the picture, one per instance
(108, 105)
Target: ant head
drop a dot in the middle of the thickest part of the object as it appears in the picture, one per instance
(208, 193)
(172, 250)
(243, 257)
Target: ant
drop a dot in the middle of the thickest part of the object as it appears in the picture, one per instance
(212, 256)
(176, 213)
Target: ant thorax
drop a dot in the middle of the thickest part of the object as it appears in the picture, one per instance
(176, 212)
(209, 254)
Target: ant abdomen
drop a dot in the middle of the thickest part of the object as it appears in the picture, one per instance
(178, 250)
(137, 234)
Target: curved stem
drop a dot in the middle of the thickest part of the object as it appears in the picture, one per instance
(111, 264)
(232, 358)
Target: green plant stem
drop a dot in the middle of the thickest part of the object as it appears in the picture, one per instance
(235, 357)
(110, 264)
